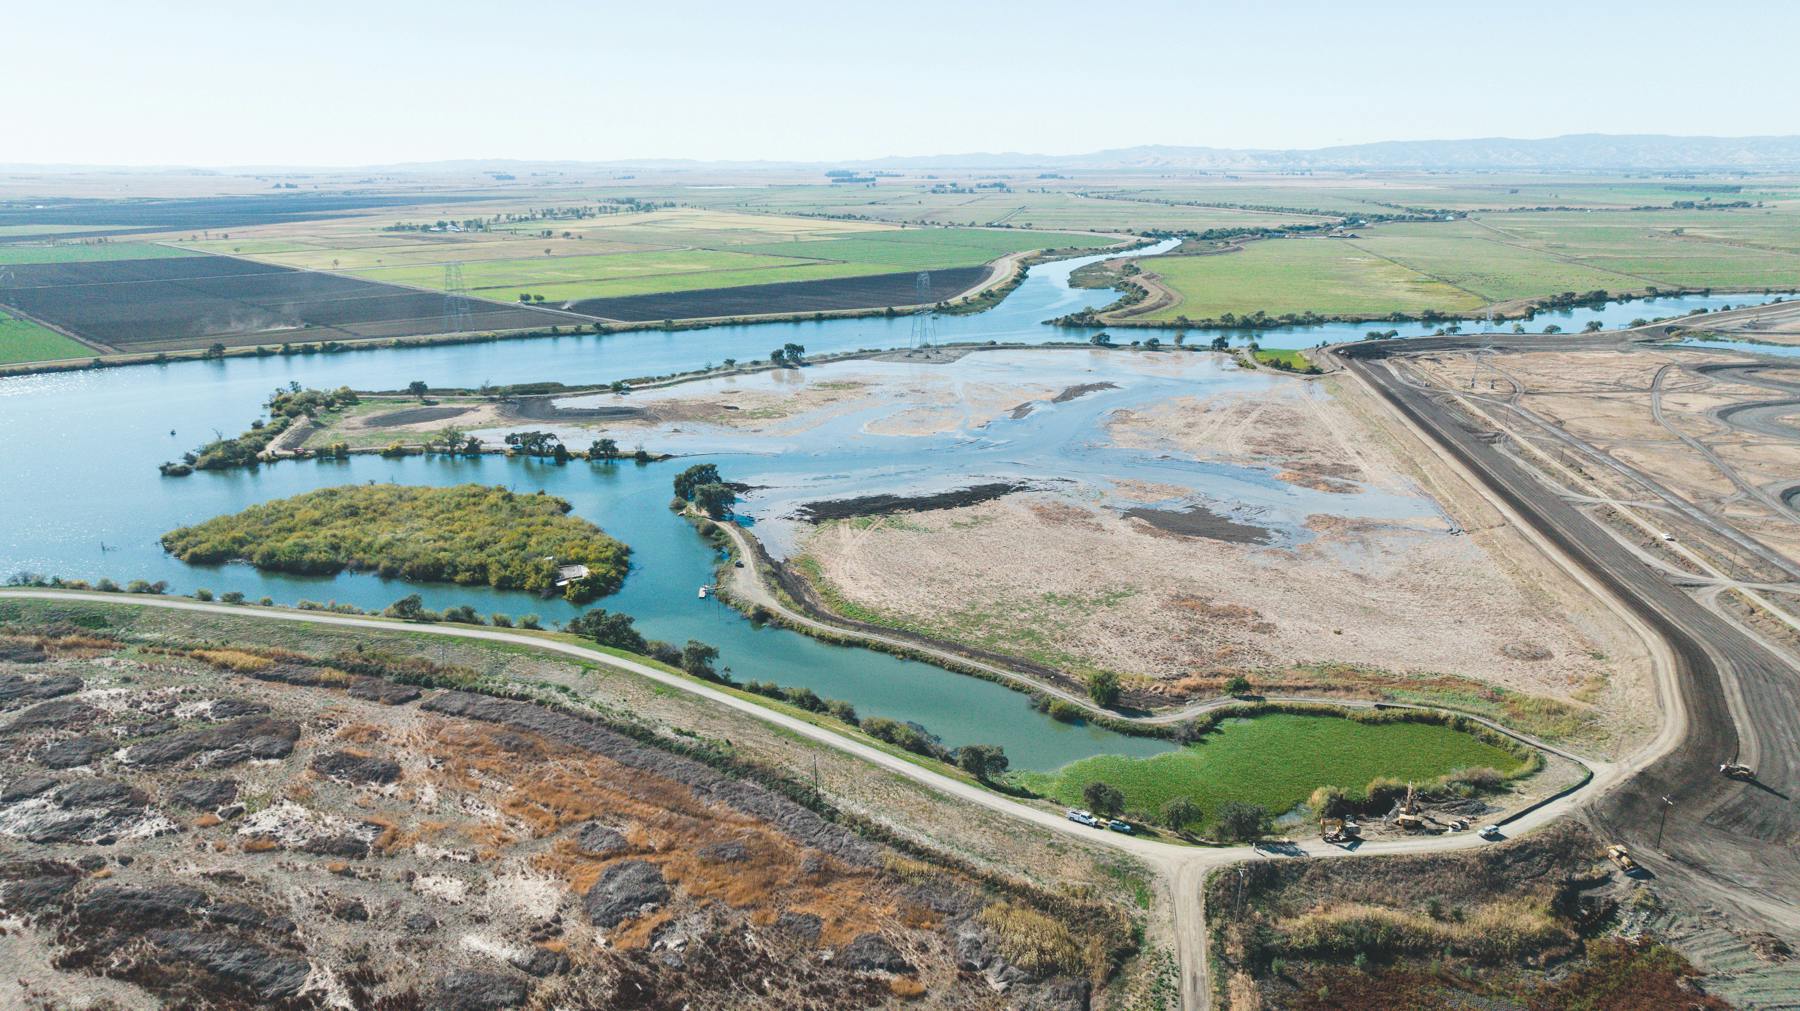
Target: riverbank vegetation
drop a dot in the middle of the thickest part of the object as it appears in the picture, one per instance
(467, 534)
(286, 407)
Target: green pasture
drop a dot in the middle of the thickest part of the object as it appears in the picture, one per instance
(83, 252)
(1277, 761)
(1326, 276)
(24, 341)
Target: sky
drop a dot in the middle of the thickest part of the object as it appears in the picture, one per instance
(332, 83)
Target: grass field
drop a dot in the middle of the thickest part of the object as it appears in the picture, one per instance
(1291, 360)
(75, 252)
(1462, 266)
(1277, 761)
(24, 341)
(1326, 276)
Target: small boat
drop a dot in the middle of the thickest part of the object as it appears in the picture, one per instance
(703, 593)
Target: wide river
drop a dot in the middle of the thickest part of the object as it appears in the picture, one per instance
(80, 496)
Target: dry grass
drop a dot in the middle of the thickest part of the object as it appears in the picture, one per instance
(1033, 941)
(1506, 928)
(233, 659)
(906, 987)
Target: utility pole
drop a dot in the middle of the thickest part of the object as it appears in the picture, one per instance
(1664, 820)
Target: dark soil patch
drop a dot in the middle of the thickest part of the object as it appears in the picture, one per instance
(625, 890)
(545, 409)
(873, 292)
(193, 300)
(192, 214)
(881, 505)
(1199, 521)
(417, 415)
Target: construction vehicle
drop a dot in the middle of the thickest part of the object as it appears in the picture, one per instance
(1339, 830)
(1409, 817)
(1736, 770)
(1618, 855)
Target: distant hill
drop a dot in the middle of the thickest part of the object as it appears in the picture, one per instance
(1587, 151)
(1584, 152)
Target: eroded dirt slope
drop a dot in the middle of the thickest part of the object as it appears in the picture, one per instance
(235, 827)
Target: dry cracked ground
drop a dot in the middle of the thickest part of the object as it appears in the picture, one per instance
(222, 827)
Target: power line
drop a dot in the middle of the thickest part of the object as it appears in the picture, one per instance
(924, 321)
(456, 299)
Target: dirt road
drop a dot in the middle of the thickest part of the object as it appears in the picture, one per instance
(1726, 844)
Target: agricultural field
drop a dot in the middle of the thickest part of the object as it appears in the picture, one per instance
(824, 295)
(1277, 761)
(1497, 260)
(1027, 205)
(77, 215)
(21, 340)
(1330, 277)
(567, 260)
(189, 301)
(85, 252)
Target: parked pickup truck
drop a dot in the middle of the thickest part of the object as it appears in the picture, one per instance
(1083, 818)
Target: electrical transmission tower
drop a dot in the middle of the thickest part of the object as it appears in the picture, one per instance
(456, 299)
(924, 321)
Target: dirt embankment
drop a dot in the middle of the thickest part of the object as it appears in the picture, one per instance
(1541, 922)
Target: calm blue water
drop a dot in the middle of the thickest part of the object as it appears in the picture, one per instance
(1749, 347)
(1611, 315)
(80, 496)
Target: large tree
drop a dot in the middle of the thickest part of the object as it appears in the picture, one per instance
(982, 760)
(1241, 822)
(1103, 799)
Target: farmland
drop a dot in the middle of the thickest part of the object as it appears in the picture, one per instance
(63, 216)
(24, 341)
(1277, 761)
(85, 252)
(824, 295)
(923, 203)
(1500, 260)
(175, 302)
(1326, 276)
(569, 258)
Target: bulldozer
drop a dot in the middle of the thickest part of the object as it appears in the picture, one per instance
(1736, 770)
(1339, 830)
(1618, 855)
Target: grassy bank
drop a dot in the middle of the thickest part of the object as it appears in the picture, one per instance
(1278, 760)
